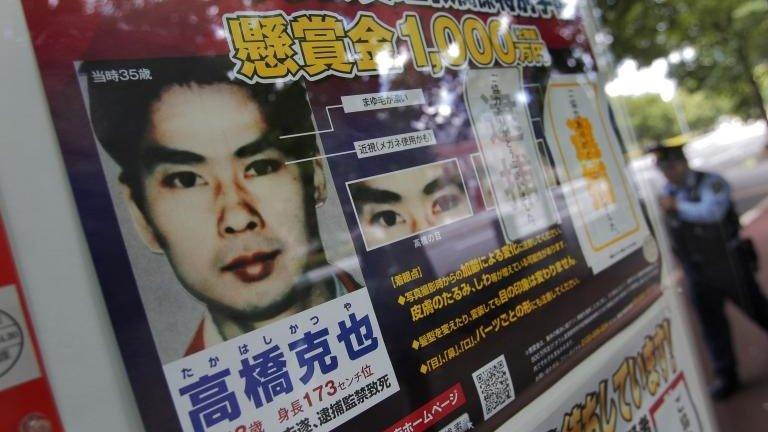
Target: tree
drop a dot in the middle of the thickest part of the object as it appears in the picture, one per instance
(654, 120)
(726, 36)
(702, 110)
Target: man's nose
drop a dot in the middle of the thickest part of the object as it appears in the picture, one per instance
(418, 223)
(238, 212)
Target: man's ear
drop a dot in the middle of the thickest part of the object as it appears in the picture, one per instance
(140, 221)
(321, 190)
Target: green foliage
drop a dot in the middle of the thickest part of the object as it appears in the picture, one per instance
(654, 120)
(703, 110)
(750, 7)
(651, 118)
(728, 37)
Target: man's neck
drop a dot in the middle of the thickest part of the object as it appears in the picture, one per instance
(317, 293)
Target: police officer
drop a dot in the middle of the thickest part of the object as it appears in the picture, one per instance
(718, 264)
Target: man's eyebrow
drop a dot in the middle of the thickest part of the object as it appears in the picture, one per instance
(362, 195)
(253, 148)
(155, 155)
(440, 183)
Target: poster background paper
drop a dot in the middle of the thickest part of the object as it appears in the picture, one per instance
(100, 38)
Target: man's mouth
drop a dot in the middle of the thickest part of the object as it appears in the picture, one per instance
(254, 267)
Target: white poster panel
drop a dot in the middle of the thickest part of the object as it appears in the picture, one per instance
(311, 371)
(645, 380)
(602, 202)
(496, 100)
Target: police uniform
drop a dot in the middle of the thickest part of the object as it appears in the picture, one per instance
(719, 265)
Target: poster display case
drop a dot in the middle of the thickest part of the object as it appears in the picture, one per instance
(313, 215)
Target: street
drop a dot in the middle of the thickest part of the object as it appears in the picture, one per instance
(736, 152)
(747, 410)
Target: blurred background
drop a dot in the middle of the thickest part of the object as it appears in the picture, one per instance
(695, 73)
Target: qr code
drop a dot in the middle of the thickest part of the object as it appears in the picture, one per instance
(494, 386)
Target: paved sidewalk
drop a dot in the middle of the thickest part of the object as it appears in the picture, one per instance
(747, 410)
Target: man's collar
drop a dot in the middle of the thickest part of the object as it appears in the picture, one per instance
(689, 183)
(211, 334)
(690, 179)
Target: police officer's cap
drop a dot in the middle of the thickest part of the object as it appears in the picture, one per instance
(665, 154)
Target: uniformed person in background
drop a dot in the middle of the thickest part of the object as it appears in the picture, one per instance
(718, 263)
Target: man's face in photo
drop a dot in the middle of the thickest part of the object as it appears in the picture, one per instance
(220, 200)
(394, 206)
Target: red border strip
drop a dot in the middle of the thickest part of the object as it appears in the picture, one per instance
(431, 412)
(31, 402)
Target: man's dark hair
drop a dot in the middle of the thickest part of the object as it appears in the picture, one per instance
(120, 110)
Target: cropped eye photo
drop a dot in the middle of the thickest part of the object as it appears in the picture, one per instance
(396, 205)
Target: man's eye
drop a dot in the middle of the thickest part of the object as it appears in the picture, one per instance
(183, 180)
(444, 203)
(387, 218)
(262, 167)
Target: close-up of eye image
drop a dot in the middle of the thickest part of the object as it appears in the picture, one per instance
(396, 205)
